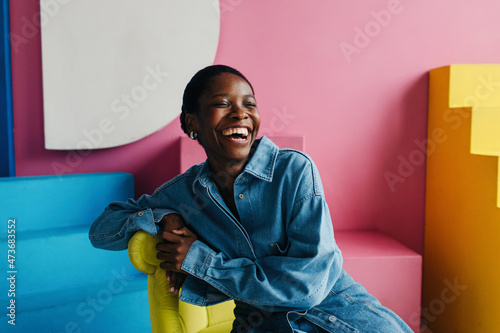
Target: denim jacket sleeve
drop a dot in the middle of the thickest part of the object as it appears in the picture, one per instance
(298, 279)
(120, 220)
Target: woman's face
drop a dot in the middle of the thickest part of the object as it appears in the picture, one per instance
(228, 120)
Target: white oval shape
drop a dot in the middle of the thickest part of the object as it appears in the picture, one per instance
(114, 70)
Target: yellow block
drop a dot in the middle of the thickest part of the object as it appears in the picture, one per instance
(461, 284)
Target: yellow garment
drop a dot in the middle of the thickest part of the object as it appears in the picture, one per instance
(167, 313)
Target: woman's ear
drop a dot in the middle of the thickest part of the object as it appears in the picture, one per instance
(191, 122)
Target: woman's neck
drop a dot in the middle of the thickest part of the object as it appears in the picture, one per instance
(224, 180)
(224, 174)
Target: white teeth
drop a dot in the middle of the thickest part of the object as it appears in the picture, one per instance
(237, 139)
(236, 130)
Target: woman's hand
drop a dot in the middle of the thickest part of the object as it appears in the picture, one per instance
(170, 222)
(174, 249)
(176, 281)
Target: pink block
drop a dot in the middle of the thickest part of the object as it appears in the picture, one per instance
(387, 269)
(192, 153)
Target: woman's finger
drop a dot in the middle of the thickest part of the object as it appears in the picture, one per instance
(169, 266)
(166, 256)
(178, 280)
(184, 232)
(174, 284)
(167, 247)
(170, 237)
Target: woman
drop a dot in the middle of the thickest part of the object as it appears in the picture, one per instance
(258, 229)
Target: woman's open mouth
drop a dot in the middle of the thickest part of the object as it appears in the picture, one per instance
(236, 134)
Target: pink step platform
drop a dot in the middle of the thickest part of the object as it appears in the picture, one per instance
(389, 270)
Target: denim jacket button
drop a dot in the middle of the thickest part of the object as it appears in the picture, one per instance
(332, 319)
(241, 196)
(140, 213)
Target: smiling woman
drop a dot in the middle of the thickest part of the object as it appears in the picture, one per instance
(226, 121)
(250, 224)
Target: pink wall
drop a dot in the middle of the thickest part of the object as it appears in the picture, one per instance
(361, 110)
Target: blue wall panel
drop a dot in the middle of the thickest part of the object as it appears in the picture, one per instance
(7, 167)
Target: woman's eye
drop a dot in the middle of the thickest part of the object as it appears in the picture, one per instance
(220, 105)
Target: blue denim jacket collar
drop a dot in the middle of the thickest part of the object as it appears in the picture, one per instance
(261, 164)
(263, 161)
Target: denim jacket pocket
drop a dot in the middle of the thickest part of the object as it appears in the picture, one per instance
(278, 250)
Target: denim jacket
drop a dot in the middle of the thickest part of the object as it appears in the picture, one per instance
(280, 255)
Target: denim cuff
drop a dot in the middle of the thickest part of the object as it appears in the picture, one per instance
(198, 259)
(143, 220)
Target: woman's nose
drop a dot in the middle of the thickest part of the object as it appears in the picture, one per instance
(238, 112)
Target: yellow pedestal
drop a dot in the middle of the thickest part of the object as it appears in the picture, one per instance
(461, 284)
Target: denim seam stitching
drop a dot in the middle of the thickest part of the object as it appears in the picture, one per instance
(304, 199)
(369, 305)
(173, 181)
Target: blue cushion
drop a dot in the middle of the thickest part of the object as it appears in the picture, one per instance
(62, 283)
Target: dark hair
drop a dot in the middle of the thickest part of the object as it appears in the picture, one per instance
(198, 84)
